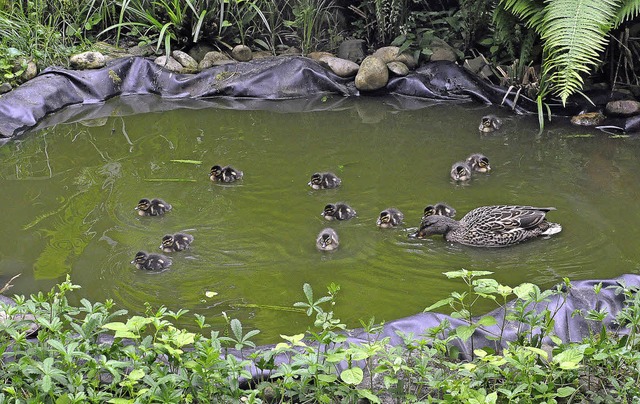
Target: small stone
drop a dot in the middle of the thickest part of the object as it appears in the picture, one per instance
(392, 54)
(241, 53)
(211, 58)
(188, 63)
(319, 55)
(87, 60)
(398, 68)
(142, 50)
(372, 75)
(443, 53)
(354, 50)
(341, 67)
(169, 63)
(588, 119)
(262, 55)
(5, 88)
(623, 108)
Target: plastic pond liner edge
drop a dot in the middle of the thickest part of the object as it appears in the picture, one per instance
(281, 78)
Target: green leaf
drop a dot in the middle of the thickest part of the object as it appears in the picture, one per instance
(464, 332)
(439, 303)
(565, 391)
(352, 376)
(486, 321)
(367, 394)
(136, 374)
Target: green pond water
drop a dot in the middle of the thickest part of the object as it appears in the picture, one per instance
(69, 192)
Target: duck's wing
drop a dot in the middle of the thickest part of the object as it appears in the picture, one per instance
(507, 218)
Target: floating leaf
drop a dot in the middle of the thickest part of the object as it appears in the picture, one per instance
(186, 161)
(210, 294)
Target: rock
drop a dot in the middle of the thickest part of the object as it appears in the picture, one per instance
(372, 75)
(341, 67)
(188, 63)
(319, 55)
(588, 119)
(398, 68)
(5, 88)
(109, 51)
(211, 58)
(241, 53)
(443, 53)
(293, 51)
(479, 66)
(169, 63)
(392, 54)
(354, 50)
(142, 50)
(262, 55)
(31, 71)
(87, 60)
(199, 50)
(623, 108)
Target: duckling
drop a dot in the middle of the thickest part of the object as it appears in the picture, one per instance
(176, 242)
(225, 174)
(151, 262)
(479, 163)
(327, 240)
(338, 211)
(324, 181)
(439, 209)
(153, 207)
(491, 226)
(390, 217)
(461, 171)
(490, 123)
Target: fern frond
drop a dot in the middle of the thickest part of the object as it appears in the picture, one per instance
(574, 34)
(630, 9)
(530, 11)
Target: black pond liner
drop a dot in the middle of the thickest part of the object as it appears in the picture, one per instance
(244, 85)
(300, 84)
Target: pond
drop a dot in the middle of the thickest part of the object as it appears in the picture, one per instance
(69, 193)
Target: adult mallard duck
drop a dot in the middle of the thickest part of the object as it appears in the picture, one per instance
(153, 207)
(489, 123)
(439, 209)
(461, 171)
(491, 226)
(479, 163)
(176, 242)
(324, 181)
(327, 240)
(338, 211)
(390, 217)
(224, 174)
(151, 262)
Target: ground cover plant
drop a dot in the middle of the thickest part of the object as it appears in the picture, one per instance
(94, 352)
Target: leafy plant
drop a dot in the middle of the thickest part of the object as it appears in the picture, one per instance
(574, 35)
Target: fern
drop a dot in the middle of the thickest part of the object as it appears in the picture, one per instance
(629, 10)
(573, 33)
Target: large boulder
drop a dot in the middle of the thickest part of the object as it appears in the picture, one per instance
(87, 60)
(372, 75)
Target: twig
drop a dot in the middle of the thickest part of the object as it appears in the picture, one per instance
(8, 285)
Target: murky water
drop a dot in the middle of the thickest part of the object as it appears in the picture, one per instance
(69, 192)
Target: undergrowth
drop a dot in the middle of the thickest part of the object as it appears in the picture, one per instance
(93, 352)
